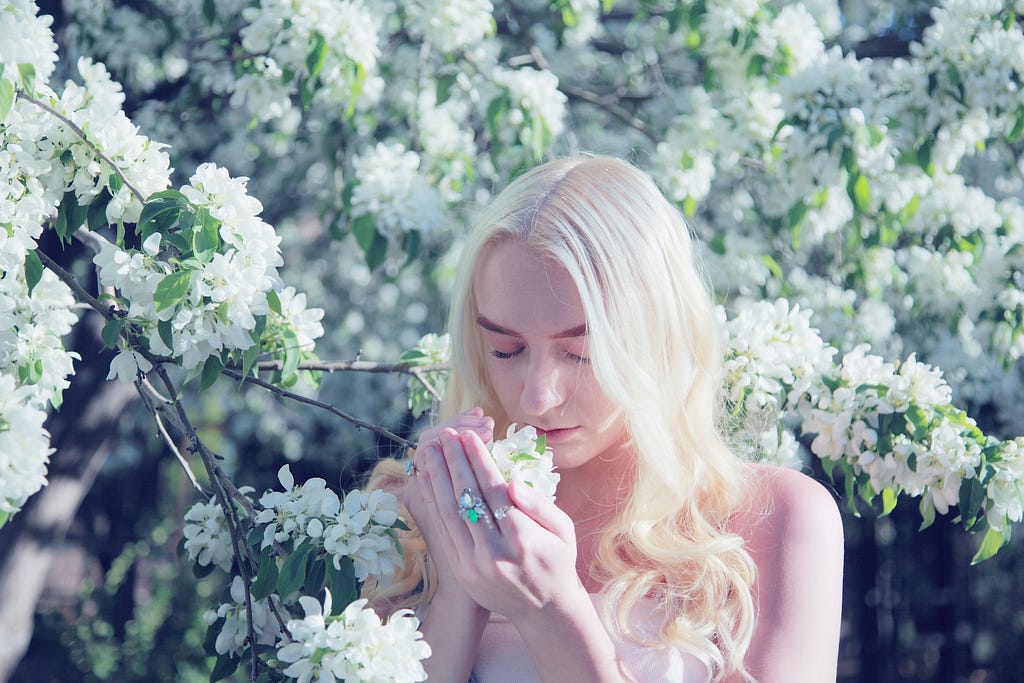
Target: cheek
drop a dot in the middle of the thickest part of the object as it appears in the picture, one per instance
(502, 380)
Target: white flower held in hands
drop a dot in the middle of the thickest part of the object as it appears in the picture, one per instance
(525, 456)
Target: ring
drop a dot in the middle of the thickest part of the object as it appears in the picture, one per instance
(502, 512)
(471, 507)
(410, 468)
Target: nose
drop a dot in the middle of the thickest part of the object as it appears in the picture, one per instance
(543, 387)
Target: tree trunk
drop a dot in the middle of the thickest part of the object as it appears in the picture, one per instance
(80, 433)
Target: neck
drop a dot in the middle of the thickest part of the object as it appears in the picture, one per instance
(592, 495)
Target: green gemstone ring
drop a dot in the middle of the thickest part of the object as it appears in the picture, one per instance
(471, 507)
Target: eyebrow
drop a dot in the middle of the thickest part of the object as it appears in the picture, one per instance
(578, 331)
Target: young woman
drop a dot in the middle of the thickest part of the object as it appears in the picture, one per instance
(579, 309)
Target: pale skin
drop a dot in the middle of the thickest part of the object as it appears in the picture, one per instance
(532, 566)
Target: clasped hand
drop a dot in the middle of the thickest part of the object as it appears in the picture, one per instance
(517, 565)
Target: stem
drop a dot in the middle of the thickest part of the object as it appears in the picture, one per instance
(350, 366)
(67, 278)
(81, 133)
(359, 424)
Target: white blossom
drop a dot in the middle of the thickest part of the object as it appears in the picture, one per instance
(207, 539)
(234, 632)
(354, 646)
(522, 456)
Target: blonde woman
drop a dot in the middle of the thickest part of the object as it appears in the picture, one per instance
(579, 309)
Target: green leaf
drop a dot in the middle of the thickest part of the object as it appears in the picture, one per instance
(342, 583)
(495, 111)
(972, 498)
(209, 11)
(115, 183)
(266, 575)
(166, 332)
(249, 357)
(211, 371)
(442, 88)
(293, 571)
(6, 97)
(28, 78)
(172, 289)
(210, 641)
(224, 667)
(205, 233)
(689, 207)
(538, 137)
(990, 545)
(96, 216)
(33, 270)
(315, 577)
(317, 55)
(1015, 132)
(927, 510)
(274, 302)
(112, 332)
(160, 212)
(860, 192)
(889, 498)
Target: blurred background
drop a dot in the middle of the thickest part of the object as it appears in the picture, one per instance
(103, 594)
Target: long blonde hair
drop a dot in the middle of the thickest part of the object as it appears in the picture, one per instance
(654, 348)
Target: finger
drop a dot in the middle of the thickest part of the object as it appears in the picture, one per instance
(542, 510)
(493, 486)
(446, 489)
(467, 487)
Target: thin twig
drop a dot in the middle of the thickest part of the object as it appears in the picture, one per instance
(421, 374)
(177, 454)
(81, 133)
(349, 366)
(359, 424)
(67, 278)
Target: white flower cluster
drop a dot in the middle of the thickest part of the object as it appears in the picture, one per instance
(95, 107)
(234, 632)
(24, 446)
(221, 294)
(524, 456)
(27, 40)
(1006, 487)
(891, 423)
(535, 97)
(967, 68)
(773, 355)
(391, 189)
(451, 24)
(354, 646)
(338, 38)
(358, 526)
(207, 539)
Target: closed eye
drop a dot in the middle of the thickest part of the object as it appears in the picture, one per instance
(576, 359)
(506, 354)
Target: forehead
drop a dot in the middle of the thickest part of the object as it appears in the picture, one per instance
(523, 290)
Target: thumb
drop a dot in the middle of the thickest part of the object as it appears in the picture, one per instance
(542, 510)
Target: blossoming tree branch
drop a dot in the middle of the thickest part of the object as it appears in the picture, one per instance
(884, 196)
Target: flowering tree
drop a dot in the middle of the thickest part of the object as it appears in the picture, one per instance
(883, 194)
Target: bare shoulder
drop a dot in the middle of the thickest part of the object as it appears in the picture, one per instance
(782, 504)
(794, 535)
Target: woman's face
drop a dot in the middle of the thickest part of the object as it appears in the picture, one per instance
(534, 332)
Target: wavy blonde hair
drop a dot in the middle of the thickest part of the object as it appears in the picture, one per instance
(654, 348)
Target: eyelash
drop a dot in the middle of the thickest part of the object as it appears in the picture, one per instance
(503, 355)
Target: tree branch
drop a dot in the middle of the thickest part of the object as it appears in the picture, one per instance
(359, 424)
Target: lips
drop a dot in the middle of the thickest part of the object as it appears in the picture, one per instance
(558, 434)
